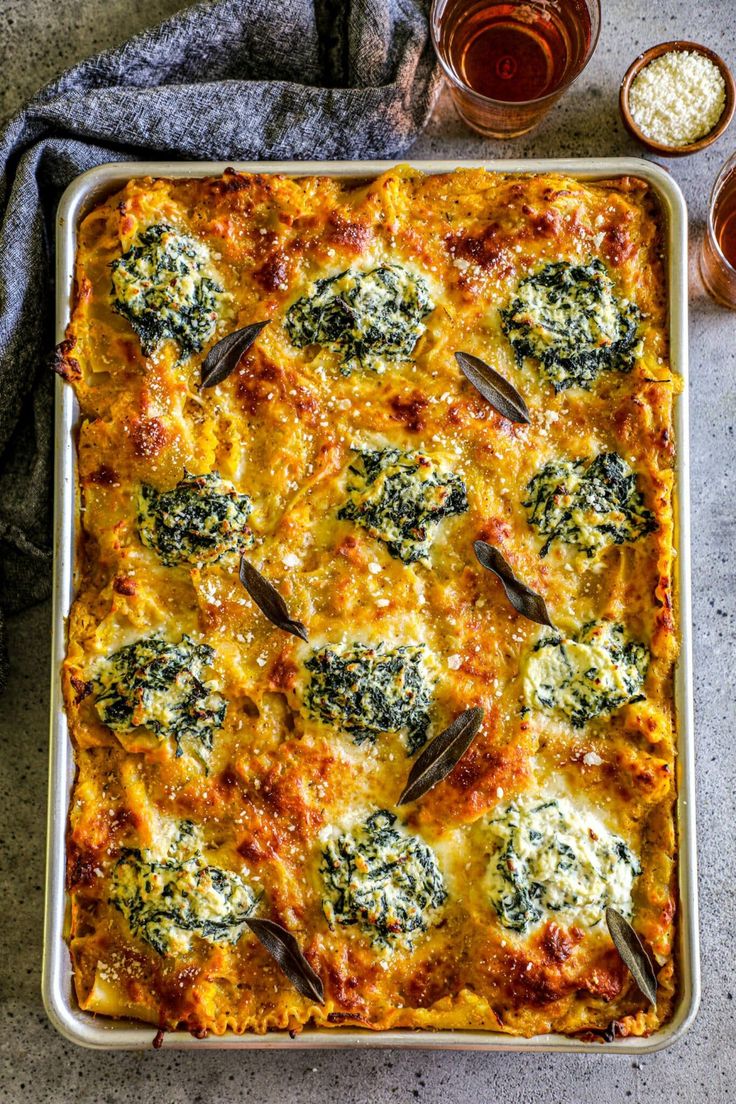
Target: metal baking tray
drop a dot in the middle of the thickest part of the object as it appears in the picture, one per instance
(105, 1033)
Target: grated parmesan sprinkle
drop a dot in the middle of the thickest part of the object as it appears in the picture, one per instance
(677, 98)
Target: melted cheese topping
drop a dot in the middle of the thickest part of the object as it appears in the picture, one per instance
(286, 748)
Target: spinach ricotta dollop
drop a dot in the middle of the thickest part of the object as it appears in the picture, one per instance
(161, 286)
(568, 318)
(400, 498)
(200, 520)
(587, 676)
(157, 685)
(366, 318)
(382, 879)
(167, 901)
(549, 860)
(367, 690)
(590, 504)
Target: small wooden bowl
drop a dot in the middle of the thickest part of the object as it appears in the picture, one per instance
(643, 60)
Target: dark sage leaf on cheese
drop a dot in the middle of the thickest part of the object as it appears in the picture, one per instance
(635, 958)
(286, 953)
(222, 359)
(439, 757)
(501, 394)
(524, 600)
(268, 600)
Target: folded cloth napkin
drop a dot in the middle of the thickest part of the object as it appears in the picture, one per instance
(225, 80)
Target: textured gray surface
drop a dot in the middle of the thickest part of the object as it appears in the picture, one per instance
(39, 1066)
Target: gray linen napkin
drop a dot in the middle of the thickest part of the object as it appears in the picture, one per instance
(225, 80)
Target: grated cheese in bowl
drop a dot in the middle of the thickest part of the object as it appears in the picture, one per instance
(677, 98)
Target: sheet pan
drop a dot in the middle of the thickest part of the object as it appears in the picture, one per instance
(104, 1033)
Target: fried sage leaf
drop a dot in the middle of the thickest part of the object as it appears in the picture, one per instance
(286, 953)
(439, 757)
(498, 391)
(222, 359)
(524, 600)
(635, 958)
(268, 600)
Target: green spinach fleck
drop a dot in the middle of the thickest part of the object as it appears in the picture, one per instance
(157, 685)
(161, 286)
(366, 318)
(590, 504)
(586, 676)
(167, 901)
(550, 859)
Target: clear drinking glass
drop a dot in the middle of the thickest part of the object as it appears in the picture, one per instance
(718, 255)
(508, 62)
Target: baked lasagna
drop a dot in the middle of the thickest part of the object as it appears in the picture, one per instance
(231, 769)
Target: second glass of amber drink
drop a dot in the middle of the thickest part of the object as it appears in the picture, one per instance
(718, 256)
(508, 63)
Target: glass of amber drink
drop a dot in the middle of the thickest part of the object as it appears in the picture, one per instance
(718, 255)
(508, 62)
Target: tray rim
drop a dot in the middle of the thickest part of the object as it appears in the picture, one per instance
(94, 1032)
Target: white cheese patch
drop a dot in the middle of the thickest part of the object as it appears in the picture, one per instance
(585, 677)
(550, 860)
(382, 879)
(169, 898)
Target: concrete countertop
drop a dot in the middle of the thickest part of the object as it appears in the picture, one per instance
(38, 1065)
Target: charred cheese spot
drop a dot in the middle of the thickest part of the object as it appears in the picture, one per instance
(273, 274)
(149, 437)
(104, 476)
(125, 585)
(409, 410)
